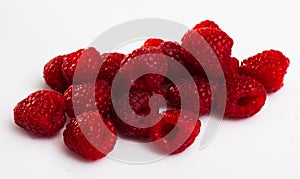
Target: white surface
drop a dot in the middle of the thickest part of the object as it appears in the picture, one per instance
(265, 146)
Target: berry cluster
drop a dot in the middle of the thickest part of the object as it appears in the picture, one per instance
(82, 90)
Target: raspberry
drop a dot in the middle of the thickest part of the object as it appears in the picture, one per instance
(41, 113)
(53, 75)
(203, 91)
(139, 102)
(110, 66)
(131, 126)
(146, 60)
(172, 135)
(268, 67)
(245, 97)
(153, 42)
(206, 24)
(233, 70)
(182, 56)
(88, 69)
(81, 97)
(148, 82)
(90, 135)
(204, 42)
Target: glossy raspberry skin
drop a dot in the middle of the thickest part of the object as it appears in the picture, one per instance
(181, 55)
(212, 47)
(268, 67)
(245, 97)
(149, 82)
(139, 102)
(110, 66)
(206, 24)
(153, 42)
(53, 75)
(203, 92)
(42, 113)
(90, 135)
(132, 126)
(233, 70)
(89, 61)
(174, 136)
(82, 96)
(147, 60)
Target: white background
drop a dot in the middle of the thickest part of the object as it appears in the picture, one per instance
(264, 146)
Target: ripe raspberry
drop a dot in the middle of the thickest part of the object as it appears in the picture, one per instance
(90, 135)
(53, 75)
(153, 42)
(178, 53)
(110, 66)
(245, 97)
(41, 113)
(87, 71)
(206, 24)
(233, 70)
(82, 96)
(139, 102)
(268, 67)
(149, 82)
(174, 136)
(203, 91)
(148, 61)
(130, 125)
(211, 46)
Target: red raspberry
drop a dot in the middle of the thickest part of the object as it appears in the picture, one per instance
(178, 53)
(131, 126)
(110, 66)
(203, 91)
(90, 135)
(268, 67)
(149, 82)
(205, 42)
(143, 60)
(81, 97)
(174, 136)
(53, 75)
(41, 113)
(206, 24)
(153, 42)
(139, 102)
(245, 97)
(233, 70)
(87, 71)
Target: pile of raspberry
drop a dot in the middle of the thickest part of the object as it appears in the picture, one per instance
(82, 90)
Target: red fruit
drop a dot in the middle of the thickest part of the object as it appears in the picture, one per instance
(203, 91)
(153, 42)
(90, 135)
(268, 67)
(149, 82)
(130, 125)
(148, 62)
(233, 70)
(110, 66)
(181, 55)
(245, 97)
(174, 136)
(83, 97)
(206, 24)
(139, 102)
(41, 113)
(212, 47)
(89, 61)
(53, 75)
